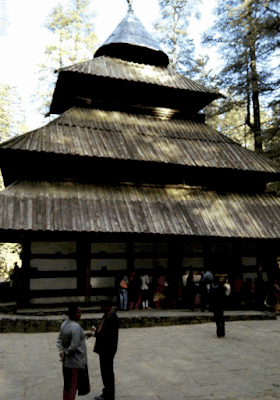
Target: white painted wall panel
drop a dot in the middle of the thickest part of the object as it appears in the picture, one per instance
(53, 247)
(193, 262)
(110, 264)
(53, 283)
(109, 248)
(102, 282)
(147, 248)
(57, 300)
(102, 298)
(54, 264)
(252, 275)
(142, 263)
(249, 261)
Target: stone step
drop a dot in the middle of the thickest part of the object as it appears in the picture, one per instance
(128, 319)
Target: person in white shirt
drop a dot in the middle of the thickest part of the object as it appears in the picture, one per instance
(227, 287)
(227, 293)
(145, 291)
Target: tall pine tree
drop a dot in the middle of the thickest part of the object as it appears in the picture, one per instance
(74, 40)
(12, 123)
(12, 116)
(172, 30)
(247, 57)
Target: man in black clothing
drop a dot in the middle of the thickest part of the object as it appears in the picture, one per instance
(106, 346)
(218, 303)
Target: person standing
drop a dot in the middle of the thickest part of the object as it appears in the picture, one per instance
(123, 293)
(190, 291)
(276, 295)
(159, 295)
(145, 280)
(106, 347)
(237, 291)
(203, 293)
(218, 304)
(134, 297)
(73, 354)
(227, 293)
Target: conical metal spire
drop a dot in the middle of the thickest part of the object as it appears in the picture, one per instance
(130, 41)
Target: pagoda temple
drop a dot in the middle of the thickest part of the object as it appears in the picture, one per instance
(129, 177)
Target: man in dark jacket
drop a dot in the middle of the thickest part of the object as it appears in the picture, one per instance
(218, 303)
(106, 346)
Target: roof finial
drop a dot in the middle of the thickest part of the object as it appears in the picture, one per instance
(129, 5)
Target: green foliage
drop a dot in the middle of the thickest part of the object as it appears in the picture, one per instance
(9, 255)
(172, 31)
(12, 116)
(232, 122)
(245, 34)
(271, 141)
(203, 73)
(74, 33)
(74, 40)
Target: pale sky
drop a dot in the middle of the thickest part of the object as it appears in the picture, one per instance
(23, 43)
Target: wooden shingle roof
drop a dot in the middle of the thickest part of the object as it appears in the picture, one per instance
(106, 78)
(138, 137)
(129, 68)
(49, 206)
(108, 67)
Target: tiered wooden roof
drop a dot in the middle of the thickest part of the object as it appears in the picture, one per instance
(50, 206)
(115, 68)
(129, 68)
(130, 154)
(120, 81)
(144, 135)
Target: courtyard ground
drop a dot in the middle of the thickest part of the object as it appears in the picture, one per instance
(166, 363)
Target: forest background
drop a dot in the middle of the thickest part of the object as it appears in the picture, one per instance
(232, 45)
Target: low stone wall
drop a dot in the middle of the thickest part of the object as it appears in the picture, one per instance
(28, 324)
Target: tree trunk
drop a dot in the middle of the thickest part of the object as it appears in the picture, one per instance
(255, 100)
(256, 127)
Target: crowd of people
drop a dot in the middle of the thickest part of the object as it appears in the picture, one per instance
(193, 292)
(141, 291)
(249, 294)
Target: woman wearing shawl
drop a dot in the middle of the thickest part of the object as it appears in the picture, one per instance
(73, 354)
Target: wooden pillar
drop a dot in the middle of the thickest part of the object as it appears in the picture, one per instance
(175, 271)
(87, 275)
(208, 256)
(130, 256)
(23, 295)
(83, 269)
(259, 256)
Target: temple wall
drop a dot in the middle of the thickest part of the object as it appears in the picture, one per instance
(49, 262)
(41, 264)
(57, 270)
(108, 264)
(53, 283)
(53, 247)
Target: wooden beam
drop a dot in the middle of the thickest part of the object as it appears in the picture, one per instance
(130, 256)
(83, 269)
(23, 295)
